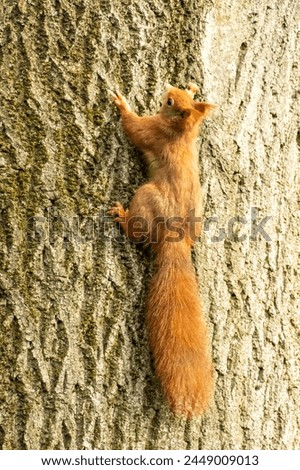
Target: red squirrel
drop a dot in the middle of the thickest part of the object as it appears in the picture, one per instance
(160, 215)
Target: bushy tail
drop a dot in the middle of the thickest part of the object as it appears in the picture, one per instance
(177, 331)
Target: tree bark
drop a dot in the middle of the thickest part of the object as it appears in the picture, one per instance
(76, 370)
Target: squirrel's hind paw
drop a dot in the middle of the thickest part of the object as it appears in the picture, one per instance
(117, 211)
(120, 215)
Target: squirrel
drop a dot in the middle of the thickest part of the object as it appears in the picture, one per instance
(161, 215)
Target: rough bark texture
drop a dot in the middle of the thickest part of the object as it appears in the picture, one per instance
(76, 370)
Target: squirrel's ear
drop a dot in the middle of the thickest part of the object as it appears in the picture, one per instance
(192, 89)
(204, 108)
(168, 86)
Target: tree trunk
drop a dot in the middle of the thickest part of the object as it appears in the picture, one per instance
(76, 370)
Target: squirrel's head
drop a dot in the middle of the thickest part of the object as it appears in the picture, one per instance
(179, 107)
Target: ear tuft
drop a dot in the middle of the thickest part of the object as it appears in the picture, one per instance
(168, 86)
(192, 89)
(204, 108)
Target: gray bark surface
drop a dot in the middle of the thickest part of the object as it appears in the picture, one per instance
(75, 365)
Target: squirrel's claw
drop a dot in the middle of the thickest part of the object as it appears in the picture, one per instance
(117, 210)
(119, 100)
(112, 94)
(119, 220)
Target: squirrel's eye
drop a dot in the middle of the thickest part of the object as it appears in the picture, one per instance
(170, 102)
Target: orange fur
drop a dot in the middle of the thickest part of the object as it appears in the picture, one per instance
(177, 330)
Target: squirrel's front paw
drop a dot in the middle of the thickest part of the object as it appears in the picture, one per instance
(119, 101)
